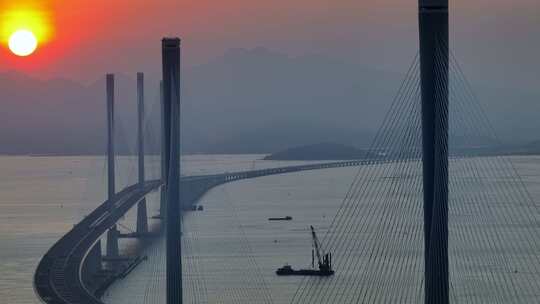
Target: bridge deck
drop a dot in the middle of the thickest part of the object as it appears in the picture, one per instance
(58, 277)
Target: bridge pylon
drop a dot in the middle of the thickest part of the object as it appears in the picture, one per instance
(112, 234)
(171, 98)
(433, 19)
(142, 213)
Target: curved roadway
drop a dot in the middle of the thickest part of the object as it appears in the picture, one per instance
(58, 277)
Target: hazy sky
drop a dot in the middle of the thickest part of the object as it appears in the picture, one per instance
(493, 38)
(349, 52)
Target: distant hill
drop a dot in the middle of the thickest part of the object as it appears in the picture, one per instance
(322, 151)
(333, 151)
(532, 148)
(245, 101)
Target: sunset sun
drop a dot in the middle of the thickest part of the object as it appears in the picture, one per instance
(23, 43)
(25, 26)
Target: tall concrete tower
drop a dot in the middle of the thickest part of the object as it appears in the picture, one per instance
(171, 98)
(142, 217)
(111, 189)
(433, 17)
(112, 234)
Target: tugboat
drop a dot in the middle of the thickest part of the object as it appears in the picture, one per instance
(324, 262)
(286, 218)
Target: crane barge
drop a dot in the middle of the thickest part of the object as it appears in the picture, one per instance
(324, 262)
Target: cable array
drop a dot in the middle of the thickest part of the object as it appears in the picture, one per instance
(240, 279)
(365, 238)
(376, 237)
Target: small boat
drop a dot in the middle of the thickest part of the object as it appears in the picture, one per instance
(286, 218)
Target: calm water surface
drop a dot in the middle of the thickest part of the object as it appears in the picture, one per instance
(42, 197)
(231, 249)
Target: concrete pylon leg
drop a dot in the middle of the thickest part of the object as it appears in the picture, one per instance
(112, 242)
(112, 234)
(142, 217)
(171, 90)
(433, 19)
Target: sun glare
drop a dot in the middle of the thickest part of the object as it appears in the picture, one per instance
(23, 43)
(22, 28)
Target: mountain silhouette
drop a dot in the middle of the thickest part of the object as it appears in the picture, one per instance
(245, 101)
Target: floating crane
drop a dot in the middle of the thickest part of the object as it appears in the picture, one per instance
(324, 262)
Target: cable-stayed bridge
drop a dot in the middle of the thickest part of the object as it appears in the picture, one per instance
(430, 216)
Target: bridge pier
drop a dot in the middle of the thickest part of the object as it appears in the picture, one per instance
(112, 234)
(171, 96)
(433, 19)
(142, 216)
(112, 243)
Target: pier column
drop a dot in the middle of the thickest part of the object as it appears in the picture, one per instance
(433, 18)
(171, 95)
(142, 217)
(112, 234)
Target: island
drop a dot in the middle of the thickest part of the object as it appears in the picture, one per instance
(320, 151)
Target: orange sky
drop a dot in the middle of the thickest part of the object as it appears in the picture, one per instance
(92, 37)
(97, 33)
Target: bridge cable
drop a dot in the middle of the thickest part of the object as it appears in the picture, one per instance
(355, 187)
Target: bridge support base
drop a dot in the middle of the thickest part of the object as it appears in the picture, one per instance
(112, 242)
(142, 217)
